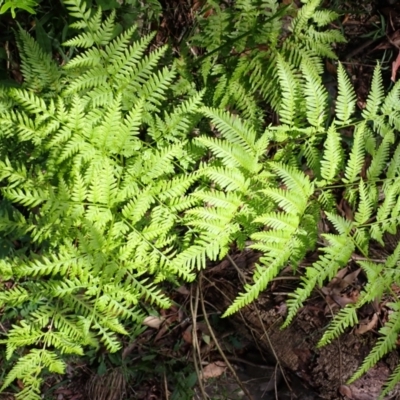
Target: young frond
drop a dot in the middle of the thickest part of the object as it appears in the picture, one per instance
(391, 102)
(333, 156)
(231, 155)
(39, 69)
(316, 96)
(263, 275)
(381, 157)
(357, 155)
(324, 17)
(335, 256)
(375, 96)
(289, 201)
(289, 105)
(233, 129)
(346, 317)
(228, 179)
(306, 13)
(389, 333)
(390, 384)
(365, 207)
(294, 180)
(346, 100)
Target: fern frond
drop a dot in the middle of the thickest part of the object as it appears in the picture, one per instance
(233, 129)
(335, 256)
(386, 342)
(305, 14)
(365, 207)
(346, 100)
(316, 96)
(333, 156)
(357, 155)
(231, 155)
(290, 104)
(390, 384)
(294, 180)
(262, 276)
(36, 63)
(346, 317)
(227, 178)
(324, 17)
(381, 157)
(375, 96)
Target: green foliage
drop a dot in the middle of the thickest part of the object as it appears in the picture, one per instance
(13, 5)
(245, 46)
(284, 229)
(94, 181)
(116, 175)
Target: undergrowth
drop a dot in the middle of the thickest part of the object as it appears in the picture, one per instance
(120, 171)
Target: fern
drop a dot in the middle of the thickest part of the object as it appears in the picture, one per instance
(292, 210)
(110, 185)
(346, 100)
(265, 55)
(13, 5)
(101, 204)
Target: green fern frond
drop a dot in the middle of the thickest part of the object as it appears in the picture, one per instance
(365, 207)
(316, 95)
(23, 370)
(333, 156)
(346, 317)
(375, 96)
(385, 343)
(290, 104)
(335, 256)
(324, 17)
(233, 129)
(357, 155)
(36, 63)
(306, 13)
(391, 102)
(346, 100)
(381, 157)
(291, 202)
(342, 225)
(294, 180)
(390, 384)
(262, 276)
(227, 178)
(231, 155)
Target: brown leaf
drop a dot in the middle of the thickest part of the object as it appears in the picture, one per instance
(350, 278)
(187, 334)
(213, 370)
(183, 290)
(153, 322)
(395, 67)
(345, 299)
(367, 325)
(346, 391)
(202, 327)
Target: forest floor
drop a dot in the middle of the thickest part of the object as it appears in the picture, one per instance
(190, 340)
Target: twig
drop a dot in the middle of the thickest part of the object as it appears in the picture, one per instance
(195, 343)
(243, 361)
(166, 386)
(361, 48)
(240, 272)
(272, 347)
(221, 352)
(338, 340)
